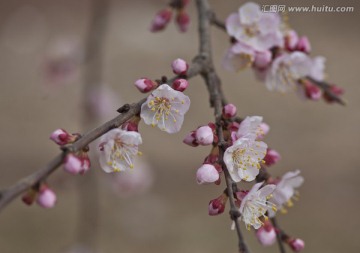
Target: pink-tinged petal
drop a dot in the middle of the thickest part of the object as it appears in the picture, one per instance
(291, 40)
(267, 190)
(179, 66)
(46, 198)
(266, 237)
(262, 59)
(72, 164)
(207, 174)
(318, 68)
(204, 135)
(233, 25)
(236, 61)
(269, 23)
(250, 13)
(296, 245)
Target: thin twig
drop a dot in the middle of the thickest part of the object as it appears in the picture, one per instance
(279, 235)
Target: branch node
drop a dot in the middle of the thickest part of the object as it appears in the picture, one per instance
(124, 108)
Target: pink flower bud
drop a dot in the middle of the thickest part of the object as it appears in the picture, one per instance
(161, 19)
(263, 130)
(262, 59)
(183, 21)
(229, 111)
(180, 84)
(207, 174)
(190, 139)
(204, 135)
(296, 245)
(336, 90)
(271, 157)
(312, 92)
(46, 197)
(291, 40)
(130, 126)
(217, 206)
(233, 126)
(73, 164)
(179, 66)
(266, 234)
(29, 197)
(85, 165)
(304, 45)
(144, 85)
(240, 195)
(60, 137)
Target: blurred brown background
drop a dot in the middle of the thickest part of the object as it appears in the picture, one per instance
(320, 139)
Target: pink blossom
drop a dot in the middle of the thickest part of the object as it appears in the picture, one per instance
(217, 206)
(179, 66)
(46, 197)
(272, 157)
(312, 91)
(286, 70)
(318, 68)
(262, 59)
(73, 164)
(336, 90)
(252, 128)
(165, 107)
(297, 244)
(161, 20)
(180, 84)
(238, 57)
(118, 149)
(207, 174)
(144, 85)
(291, 40)
(251, 26)
(204, 135)
(183, 21)
(229, 111)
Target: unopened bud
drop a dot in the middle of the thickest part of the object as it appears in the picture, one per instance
(144, 85)
(207, 174)
(161, 20)
(266, 234)
(183, 21)
(304, 45)
(180, 84)
(312, 92)
(296, 245)
(204, 135)
(46, 197)
(60, 137)
(229, 111)
(217, 206)
(271, 157)
(262, 59)
(29, 197)
(179, 66)
(190, 139)
(73, 164)
(336, 90)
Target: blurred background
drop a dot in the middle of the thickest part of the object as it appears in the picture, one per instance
(168, 212)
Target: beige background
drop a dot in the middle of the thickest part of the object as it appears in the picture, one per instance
(320, 139)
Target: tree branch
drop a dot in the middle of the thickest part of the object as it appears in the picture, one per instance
(217, 101)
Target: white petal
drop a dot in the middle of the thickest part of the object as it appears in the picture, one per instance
(249, 13)
(233, 25)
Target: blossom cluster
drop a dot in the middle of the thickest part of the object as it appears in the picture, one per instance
(278, 56)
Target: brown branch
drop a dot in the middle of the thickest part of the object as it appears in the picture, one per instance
(216, 22)
(326, 88)
(217, 101)
(279, 235)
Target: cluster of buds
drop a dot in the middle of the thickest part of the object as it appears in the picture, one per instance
(74, 163)
(279, 58)
(163, 17)
(43, 195)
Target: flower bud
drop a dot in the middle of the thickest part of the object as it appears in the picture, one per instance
(204, 135)
(144, 85)
(229, 111)
(217, 206)
(291, 40)
(179, 66)
(60, 137)
(73, 164)
(271, 157)
(161, 20)
(266, 234)
(296, 245)
(183, 21)
(207, 174)
(336, 90)
(46, 197)
(262, 59)
(29, 197)
(312, 92)
(190, 139)
(180, 84)
(304, 45)
(85, 165)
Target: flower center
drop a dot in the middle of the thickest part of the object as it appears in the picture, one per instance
(122, 152)
(163, 109)
(251, 30)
